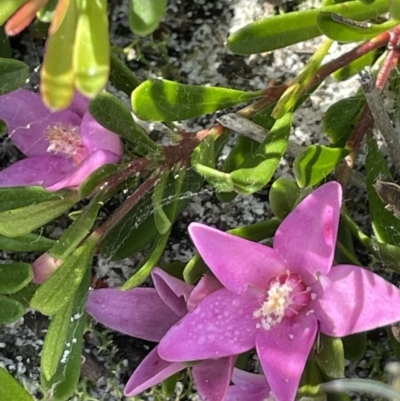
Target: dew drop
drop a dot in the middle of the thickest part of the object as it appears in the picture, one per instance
(201, 340)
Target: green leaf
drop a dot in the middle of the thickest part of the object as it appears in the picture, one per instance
(283, 196)
(340, 119)
(394, 8)
(196, 267)
(162, 100)
(138, 229)
(62, 285)
(63, 383)
(13, 74)
(315, 163)
(346, 30)
(25, 294)
(330, 357)
(256, 172)
(27, 243)
(14, 276)
(10, 311)
(355, 346)
(21, 221)
(161, 220)
(145, 15)
(10, 389)
(287, 29)
(385, 226)
(8, 8)
(111, 113)
(46, 13)
(121, 76)
(91, 51)
(16, 197)
(354, 67)
(220, 181)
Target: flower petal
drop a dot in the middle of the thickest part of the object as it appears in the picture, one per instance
(236, 262)
(95, 136)
(221, 325)
(172, 291)
(35, 171)
(83, 170)
(249, 381)
(153, 370)
(283, 353)
(43, 267)
(27, 119)
(138, 312)
(212, 378)
(207, 285)
(307, 236)
(79, 104)
(235, 393)
(354, 300)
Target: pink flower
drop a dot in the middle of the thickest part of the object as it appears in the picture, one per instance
(148, 313)
(275, 299)
(62, 148)
(43, 267)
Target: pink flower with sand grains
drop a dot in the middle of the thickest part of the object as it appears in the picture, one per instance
(62, 148)
(276, 299)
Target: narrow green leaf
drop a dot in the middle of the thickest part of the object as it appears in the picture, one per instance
(355, 66)
(57, 76)
(10, 311)
(196, 267)
(21, 221)
(16, 197)
(283, 196)
(13, 74)
(27, 243)
(91, 51)
(220, 181)
(315, 163)
(63, 383)
(330, 357)
(346, 30)
(340, 119)
(8, 8)
(162, 100)
(121, 76)
(145, 15)
(14, 276)
(112, 114)
(163, 224)
(287, 29)
(10, 389)
(385, 226)
(256, 172)
(62, 285)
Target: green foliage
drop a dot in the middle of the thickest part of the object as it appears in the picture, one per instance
(144, 15)
(10, 389)
(13, 75)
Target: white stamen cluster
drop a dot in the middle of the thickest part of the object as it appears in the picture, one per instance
(64, 139)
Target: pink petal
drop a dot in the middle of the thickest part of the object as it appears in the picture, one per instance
(235, 393)
(212, 378)
(172, 291)
(95, 136)
(354, 300)
(79, 104)
(83, 170)
(43, 267)
(28, 118)
(35, 171)
(153, 370)
(307, 236)
(138, 312)
(221, 325)
(251, 382)
(283, 352)
(236, 262)
(204, 287)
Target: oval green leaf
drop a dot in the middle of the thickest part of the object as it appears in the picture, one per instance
(10, 311)
(111, 113)
(346, 30)
(162, 100)
(10, 389)
(145, 15)
(13, 74)
(283, 196)
(330, 357)
(287, 29)
(27, 243)
(14, 276)
(315, 163)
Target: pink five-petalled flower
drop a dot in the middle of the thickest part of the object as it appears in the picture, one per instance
(275, 299)
(62, 148)
(148, 313)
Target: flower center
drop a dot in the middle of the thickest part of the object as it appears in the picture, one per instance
(67, 140)
(287, 296)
